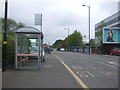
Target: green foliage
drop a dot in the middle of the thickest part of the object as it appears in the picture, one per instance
(75, 39)
(92, 42)
(65, 43)
(0, 41)
(29, 43)
(10, 48)
(12, 25)
(20, 25)
(99, 33)
(58, 43)
(0, 47)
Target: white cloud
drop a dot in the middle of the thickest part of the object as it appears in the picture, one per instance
(60, 14)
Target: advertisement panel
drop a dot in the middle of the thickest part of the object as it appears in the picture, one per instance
(111, 35)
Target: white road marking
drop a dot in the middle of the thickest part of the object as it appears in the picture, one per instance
(107, 64)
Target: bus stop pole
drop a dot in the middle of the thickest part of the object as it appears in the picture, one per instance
(41, 41)
(4, 48)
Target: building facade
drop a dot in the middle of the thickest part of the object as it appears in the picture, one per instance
(112, 21)
(119, 6)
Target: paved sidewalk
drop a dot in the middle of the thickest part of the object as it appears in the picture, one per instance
(52, 75)
(0, 80)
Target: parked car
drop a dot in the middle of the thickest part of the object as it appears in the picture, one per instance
(34, 50)
(47, 50)
(51, 49)
(58, 49)
(115, 51)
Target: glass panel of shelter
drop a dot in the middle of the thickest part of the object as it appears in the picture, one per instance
(27, 51)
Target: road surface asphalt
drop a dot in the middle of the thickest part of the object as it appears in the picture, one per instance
(67, 70)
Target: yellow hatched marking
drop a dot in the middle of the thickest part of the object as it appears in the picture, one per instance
(82, 74)
(90, 74)
(73, 74)
(74, 67)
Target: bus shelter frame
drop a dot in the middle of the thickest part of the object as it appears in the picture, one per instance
(32, 33)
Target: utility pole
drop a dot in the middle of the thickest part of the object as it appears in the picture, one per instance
(68, 31)
(67, 37)
(89, 29)
(88, 24)
(4, 47)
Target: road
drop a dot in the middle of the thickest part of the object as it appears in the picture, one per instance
(51, 75)
(67, 70)
(95, 71)
(0, 61)
(0, 55)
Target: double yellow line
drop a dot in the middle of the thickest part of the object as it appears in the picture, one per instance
(73, 74)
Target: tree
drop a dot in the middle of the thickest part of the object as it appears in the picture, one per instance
(0, 40)
(12, 25)
(92, 42)
(65, 43)
(58, 43)
(75, 39)
(10, 48)
(20, 25)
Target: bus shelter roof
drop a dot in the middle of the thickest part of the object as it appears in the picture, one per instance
(30, 32)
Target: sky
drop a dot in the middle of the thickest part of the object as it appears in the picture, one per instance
(60, 14)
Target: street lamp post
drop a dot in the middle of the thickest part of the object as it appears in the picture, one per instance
(4, 47)
(68, 36)
(68, 31)
(89, 24)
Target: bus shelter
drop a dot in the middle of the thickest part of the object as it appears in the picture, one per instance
(28, 48)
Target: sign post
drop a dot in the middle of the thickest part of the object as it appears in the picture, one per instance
(4, 47)
(38, 21)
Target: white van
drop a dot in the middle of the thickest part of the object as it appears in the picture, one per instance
(62, 49)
